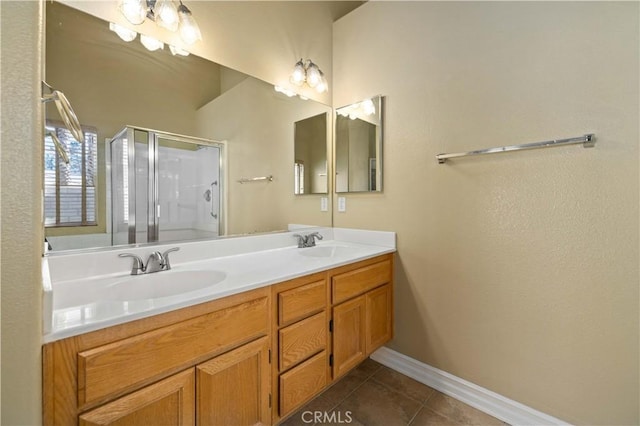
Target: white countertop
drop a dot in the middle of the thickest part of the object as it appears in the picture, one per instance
(80, 297)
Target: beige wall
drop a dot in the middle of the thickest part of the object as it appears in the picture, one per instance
(517, 272)
(21, 211)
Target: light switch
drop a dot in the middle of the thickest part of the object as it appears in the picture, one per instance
(342, 204)
(324, 204)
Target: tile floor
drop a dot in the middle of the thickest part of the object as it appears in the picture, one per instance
(373, 395)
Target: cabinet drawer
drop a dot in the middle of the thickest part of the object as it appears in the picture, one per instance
(301, 302)
(302, 382)
(123, 365)
(302, 339)
(358, 281)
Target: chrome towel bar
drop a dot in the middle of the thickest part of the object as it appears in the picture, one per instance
(256, 179)
(588, 141)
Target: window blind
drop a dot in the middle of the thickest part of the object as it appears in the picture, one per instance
(70, 189)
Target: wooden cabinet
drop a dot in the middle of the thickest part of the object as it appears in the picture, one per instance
(362, 297)
(233, 388)
(247, 359)
(301, 341)
(379, 317)
(172, 368)
(169, 402)
(349, 320)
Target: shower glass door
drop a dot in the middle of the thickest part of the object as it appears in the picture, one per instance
(188, 190)
(165, 187)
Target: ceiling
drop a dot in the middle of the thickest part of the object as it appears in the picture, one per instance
(340, 8)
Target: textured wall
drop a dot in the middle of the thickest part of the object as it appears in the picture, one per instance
(518, 272)
(21, 211)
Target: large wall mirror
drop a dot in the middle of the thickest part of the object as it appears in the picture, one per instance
(358, 146)
(113, 84)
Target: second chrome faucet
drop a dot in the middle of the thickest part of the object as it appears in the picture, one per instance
(155, 263)
(308, 240)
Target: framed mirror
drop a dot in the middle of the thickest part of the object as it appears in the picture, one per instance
(358, 146)
(113, 84)
(310, 155)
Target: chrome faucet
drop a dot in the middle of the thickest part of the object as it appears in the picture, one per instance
(307, 240)
(157, 262)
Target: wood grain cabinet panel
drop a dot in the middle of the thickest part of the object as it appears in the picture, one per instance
(379, 325)
(359, 281)
(301, 340)
(349, 327)
(233, 389)
(169, 402)
(123, 364)
(301, 302)
(302, 382)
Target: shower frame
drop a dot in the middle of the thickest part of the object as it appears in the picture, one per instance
(153, 214)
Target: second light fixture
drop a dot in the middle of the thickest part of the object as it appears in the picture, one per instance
(165, 14)
(310, 73)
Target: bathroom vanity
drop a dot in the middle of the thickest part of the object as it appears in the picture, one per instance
(251, 357)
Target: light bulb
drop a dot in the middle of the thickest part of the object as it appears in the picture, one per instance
(284, 91)
(151, 43)
(322, 85)
(313, 75)
(298, 74)
(124, 33)
(166, 14)
(189, 29)
(178, 51)
(368, 108)
(134, 10)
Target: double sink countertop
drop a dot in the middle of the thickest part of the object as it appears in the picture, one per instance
(87, 291)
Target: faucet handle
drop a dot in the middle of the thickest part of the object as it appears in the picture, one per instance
(302, 240)
(311, 238)
(138, 264)
(165, 258)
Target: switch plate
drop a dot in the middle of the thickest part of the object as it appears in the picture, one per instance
(342, 204)
(324, 204)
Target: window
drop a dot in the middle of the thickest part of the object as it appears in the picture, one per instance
(298, 181)
(70, 189)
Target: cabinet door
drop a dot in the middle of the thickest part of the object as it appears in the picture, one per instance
(379, 314)
(348, 335)
(233, 388)
(169, 402)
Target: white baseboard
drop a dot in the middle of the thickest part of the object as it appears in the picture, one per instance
(496, 405)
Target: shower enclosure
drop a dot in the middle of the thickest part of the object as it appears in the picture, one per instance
(164, 187)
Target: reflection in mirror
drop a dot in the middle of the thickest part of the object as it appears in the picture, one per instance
(112, 84)
(358, 146)
(310, 155)
(164, 187)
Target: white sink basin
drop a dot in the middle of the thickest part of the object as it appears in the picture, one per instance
(162, 284)
(325, 251)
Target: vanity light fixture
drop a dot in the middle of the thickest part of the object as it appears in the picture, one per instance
(151, 43)
(288, 92)
(165, 14)
(177, 51)
(310, 73)
(124, 33)
(360, 109)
